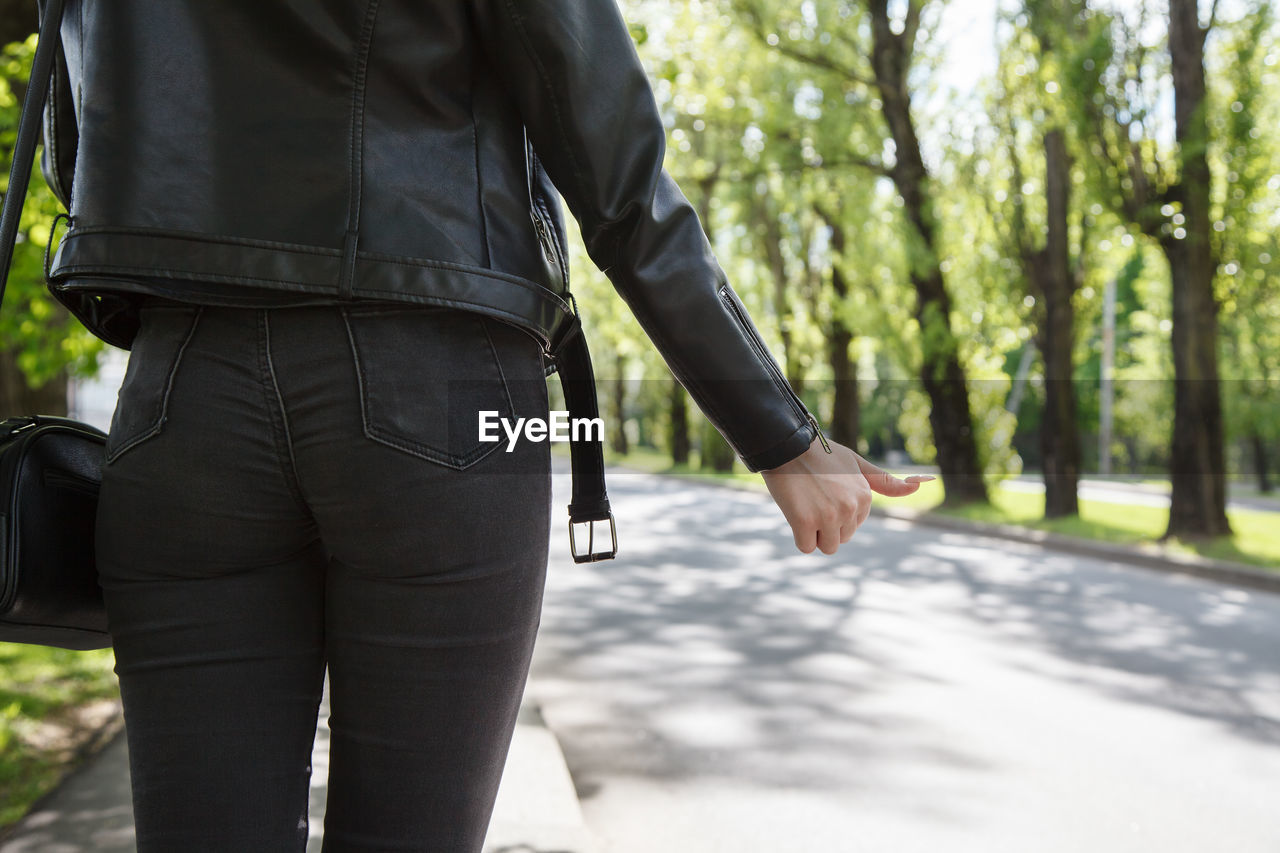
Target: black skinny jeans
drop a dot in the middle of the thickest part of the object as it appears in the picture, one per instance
(294, 487)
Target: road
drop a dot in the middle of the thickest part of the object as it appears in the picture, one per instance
(714, 690)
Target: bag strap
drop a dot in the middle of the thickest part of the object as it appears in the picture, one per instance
(24, 150)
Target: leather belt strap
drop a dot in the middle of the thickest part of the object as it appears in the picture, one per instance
(590, 502)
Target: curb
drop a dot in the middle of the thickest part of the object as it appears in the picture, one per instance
(537, 809)
(1151, 556)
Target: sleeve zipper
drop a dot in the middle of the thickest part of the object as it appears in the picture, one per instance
(763, 355)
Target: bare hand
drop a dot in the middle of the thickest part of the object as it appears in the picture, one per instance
(825, 497)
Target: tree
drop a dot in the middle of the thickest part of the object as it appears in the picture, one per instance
(1054, 282)
(1247, 160)
(1047, 266)
(1169, 200)
(829, 36)
(43, 343)
(18, 20)
(845, 407)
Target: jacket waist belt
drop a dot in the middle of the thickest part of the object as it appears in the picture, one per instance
(85, 262)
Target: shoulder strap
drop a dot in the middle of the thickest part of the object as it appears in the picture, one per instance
(24, 150)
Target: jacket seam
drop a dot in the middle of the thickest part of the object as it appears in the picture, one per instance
(233, 279)
(447, 265)
(475, 151)
(360, 78)
(478, 307)
(520, 320)
(762, 355)
(679, 368)
(71, 271)
(197, 237)
(63, 271)
(545, 79)
(60, 189)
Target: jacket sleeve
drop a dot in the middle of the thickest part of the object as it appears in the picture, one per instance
(588, 107)
(61, 135)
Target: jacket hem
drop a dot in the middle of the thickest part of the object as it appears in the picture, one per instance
(782, 452)
(101, 259)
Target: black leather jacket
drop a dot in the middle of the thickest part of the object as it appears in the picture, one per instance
(246, 152)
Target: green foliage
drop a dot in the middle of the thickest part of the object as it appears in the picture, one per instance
(42, 687)
(44, 337)
(774, 151)
(1245, 156)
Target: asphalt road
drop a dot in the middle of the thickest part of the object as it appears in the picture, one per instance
(715, 690)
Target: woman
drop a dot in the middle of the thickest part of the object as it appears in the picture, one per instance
(325, 230)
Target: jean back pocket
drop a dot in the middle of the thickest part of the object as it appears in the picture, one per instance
(426, 374)
(143, 399)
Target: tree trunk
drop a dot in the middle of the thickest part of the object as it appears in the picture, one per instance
(619, 406)
(1260, 461)
(781, 304)
(940, 371)
(679, 436)
(844, 412)
(1197, 458)
(1059, 436)
(18, 20)
(17, 398)
(716, 454)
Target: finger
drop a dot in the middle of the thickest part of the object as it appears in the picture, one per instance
(883, 482)
(806, 537)
(828, 539)
(864, 511)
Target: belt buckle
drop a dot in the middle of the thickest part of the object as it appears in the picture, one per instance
(592, 556)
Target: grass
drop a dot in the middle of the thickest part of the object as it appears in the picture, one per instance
(1256, 539)
(51, 701)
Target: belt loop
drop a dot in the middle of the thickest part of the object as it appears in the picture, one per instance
(53, 232)
(566, 331)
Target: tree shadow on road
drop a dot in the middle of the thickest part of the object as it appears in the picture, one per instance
(765, 665)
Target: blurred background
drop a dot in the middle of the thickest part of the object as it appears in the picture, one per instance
(1025, 243)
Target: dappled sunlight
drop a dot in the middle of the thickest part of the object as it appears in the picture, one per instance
(712, 646)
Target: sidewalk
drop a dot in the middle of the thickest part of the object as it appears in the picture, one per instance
(536, 812)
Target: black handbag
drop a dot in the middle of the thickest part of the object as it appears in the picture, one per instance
(50, 467)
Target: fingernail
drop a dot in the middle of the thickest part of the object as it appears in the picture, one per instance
(920, 478)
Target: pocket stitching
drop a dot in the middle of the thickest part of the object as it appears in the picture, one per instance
(163, 414)
(423, 451)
